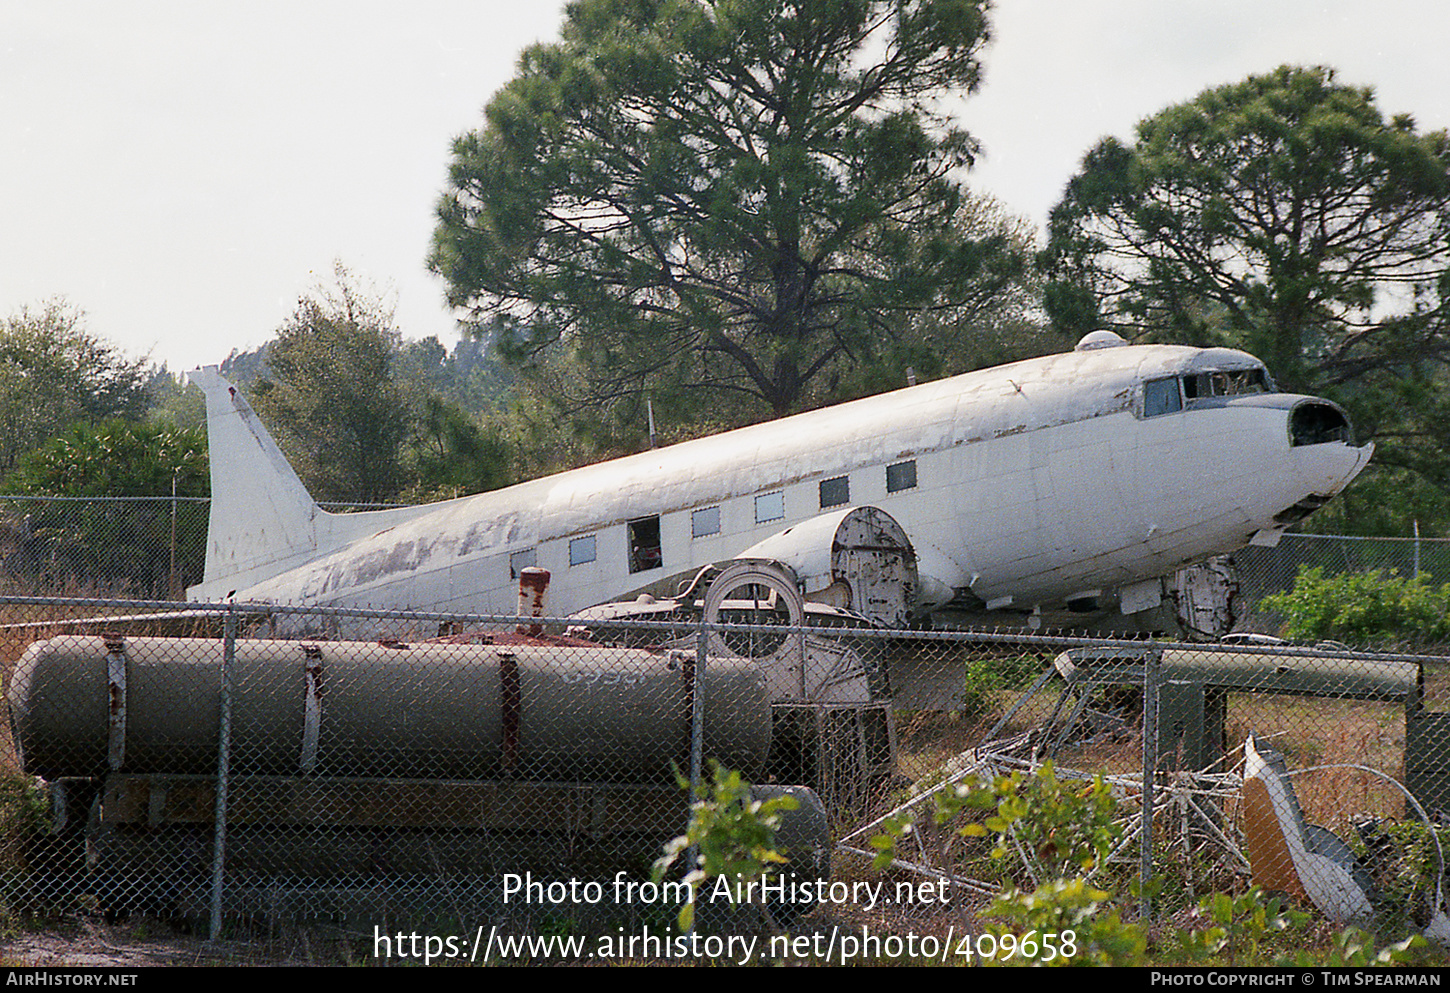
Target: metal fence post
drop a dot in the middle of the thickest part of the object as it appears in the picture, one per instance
(697, 737)
(697, 711)
(1152, 666)
(219, 838)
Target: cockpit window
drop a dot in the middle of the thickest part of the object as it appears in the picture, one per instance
(1230, 382)
(1167, 396)
(1160, 396)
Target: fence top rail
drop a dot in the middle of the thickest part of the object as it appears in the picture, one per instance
(33, 498)
(168, 498)
(1407, 539)
(160, 610)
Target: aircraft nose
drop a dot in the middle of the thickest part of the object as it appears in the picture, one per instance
(1322, 442)
(1322, 473)
(1323, 458)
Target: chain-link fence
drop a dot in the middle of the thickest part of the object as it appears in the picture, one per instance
(1314, 773)
(503, 779)
(260, 764)
(146, 547)
(351, 764)
(117, 546)
(1263, 571)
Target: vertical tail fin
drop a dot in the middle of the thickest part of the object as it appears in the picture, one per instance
(263, 520)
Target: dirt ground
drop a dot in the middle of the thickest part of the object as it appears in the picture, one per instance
(148, 943)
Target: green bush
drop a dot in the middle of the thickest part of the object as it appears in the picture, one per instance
(24, 810)
(1058, 832)
(1058, 827)
(24, 806)
(1363, 607)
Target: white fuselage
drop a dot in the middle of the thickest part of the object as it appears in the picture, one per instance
(1033, 483)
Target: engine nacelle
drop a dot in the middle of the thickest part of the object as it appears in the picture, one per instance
(855, 558)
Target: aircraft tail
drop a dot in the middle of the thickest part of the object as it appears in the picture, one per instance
(263, 520)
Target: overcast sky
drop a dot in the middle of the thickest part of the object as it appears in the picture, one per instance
(183, 171)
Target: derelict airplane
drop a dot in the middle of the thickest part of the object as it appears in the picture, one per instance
(1072, 478)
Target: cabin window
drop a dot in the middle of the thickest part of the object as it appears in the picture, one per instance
(705, 522)
(901, 476)
(644, 544)
(770, 507)
(1160, 396)
(519, 561)
(582, 550)
(835, 492)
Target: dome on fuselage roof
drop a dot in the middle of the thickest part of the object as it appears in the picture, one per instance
(1094, 340)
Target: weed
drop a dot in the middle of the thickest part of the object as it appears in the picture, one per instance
(988, 675)
(733, 833)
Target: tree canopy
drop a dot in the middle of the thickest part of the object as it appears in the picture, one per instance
(1283, 212)
(366, 417)
(1286, 216)
(329, 394)
(54, 373)
(742, 196)
(116, 458)
(454, 454)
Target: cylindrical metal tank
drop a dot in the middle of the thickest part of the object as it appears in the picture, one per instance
(84, 705)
